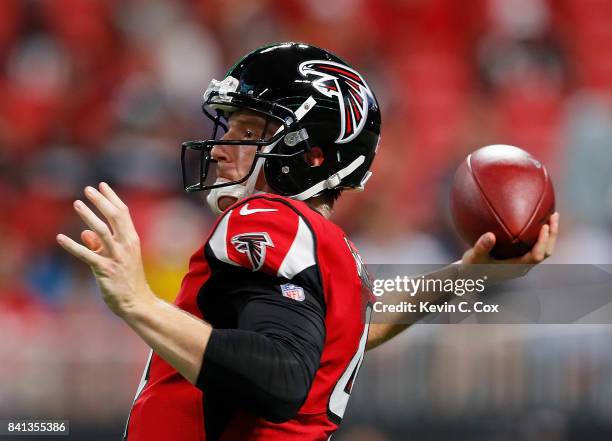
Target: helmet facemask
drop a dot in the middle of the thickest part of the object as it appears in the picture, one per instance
(218, 106)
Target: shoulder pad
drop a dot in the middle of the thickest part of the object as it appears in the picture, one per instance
(264, 234)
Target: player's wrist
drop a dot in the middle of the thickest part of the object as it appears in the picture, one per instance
(476, 271)
(138, 306)
(491, 273)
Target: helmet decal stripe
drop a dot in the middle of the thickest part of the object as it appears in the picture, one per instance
(353, 84)
(348, 121)
(356, 96)
(356, 110)
(341, 71)
(338, 81)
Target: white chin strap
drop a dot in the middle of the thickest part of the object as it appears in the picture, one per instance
(236, 192)
(333, 181)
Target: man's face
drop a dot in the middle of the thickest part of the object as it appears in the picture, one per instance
(234, 162)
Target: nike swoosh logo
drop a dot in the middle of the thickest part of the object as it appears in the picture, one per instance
(244, 211)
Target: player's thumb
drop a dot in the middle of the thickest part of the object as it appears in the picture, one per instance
(91, 240)
(484, 245)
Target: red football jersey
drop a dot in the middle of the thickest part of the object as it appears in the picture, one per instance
(283, 238)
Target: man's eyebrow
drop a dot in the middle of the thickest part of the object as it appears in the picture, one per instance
(252, 120)
(246, 118)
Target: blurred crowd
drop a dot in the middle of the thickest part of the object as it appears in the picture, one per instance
(95, 90)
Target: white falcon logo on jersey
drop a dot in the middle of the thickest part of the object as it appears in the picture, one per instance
(348, 87)
(254, 246)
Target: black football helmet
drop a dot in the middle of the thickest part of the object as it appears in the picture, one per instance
(317, 98)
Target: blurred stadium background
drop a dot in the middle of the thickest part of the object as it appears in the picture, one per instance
(107, 89)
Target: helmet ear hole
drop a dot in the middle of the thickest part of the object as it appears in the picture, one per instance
(314, 157)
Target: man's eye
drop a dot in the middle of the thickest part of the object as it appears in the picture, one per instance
(248, 133)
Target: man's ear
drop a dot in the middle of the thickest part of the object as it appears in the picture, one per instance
(314, 157)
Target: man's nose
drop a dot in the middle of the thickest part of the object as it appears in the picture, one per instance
(219, 152)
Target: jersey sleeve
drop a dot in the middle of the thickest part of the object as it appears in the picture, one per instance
(267, 364)
(265, 235)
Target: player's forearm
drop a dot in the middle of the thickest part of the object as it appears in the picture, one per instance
(382, 332)
(386, 325)
(412, 315)
(175, 335)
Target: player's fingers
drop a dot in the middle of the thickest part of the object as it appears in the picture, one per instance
(91, 241)
(554, 232)
(96, 224)
(115, 217)
(125, 217)
(538, 252)
(79, 251)
(110, 194)
(484, 245)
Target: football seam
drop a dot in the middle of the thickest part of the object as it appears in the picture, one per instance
(489, 204)
(538, 205)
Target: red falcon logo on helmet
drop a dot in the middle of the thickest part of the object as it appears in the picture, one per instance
(348, 87)
(254, 246)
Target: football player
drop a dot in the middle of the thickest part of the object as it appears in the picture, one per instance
(268, 331)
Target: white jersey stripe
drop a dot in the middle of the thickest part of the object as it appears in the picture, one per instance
(301, 254)
(218, 241)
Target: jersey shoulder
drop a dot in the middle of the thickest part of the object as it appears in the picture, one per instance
(265, 233)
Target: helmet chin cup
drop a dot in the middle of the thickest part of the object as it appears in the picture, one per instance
(233, 191)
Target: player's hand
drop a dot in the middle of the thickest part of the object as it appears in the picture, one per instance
(543, 248)
(112, 250)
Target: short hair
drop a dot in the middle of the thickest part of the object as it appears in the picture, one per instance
(330, 196)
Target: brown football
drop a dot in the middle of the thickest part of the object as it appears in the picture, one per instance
(504, 190)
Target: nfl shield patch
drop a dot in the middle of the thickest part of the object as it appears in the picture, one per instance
(293, 292)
